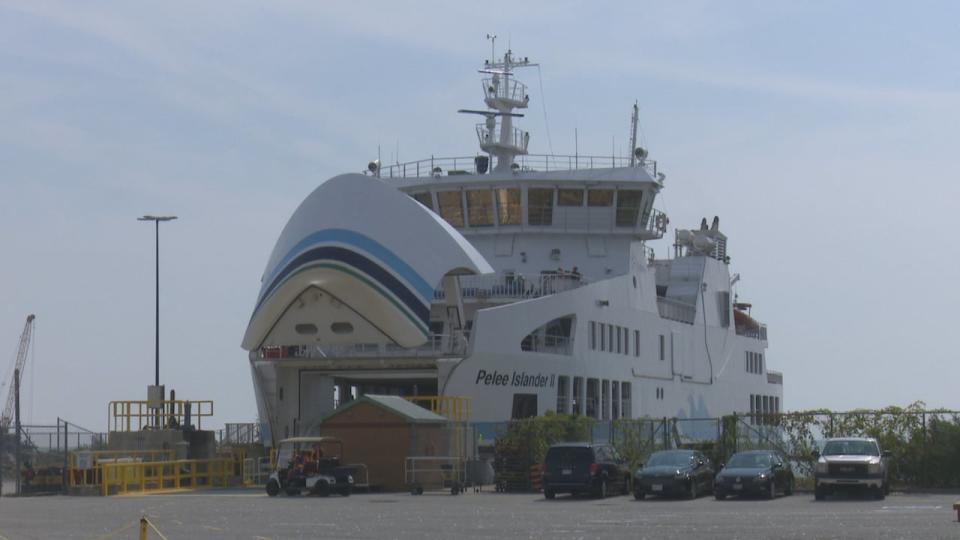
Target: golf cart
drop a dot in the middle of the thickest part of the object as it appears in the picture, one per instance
(311, 465)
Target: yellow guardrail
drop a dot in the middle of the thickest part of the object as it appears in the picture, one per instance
(135, 415)
(455, 408)
(127, 477)
(84, 465)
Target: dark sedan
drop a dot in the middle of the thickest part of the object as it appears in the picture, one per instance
(757, 472)
(674, 472)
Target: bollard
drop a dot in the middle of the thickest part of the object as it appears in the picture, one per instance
(956, 506)
(143, 528)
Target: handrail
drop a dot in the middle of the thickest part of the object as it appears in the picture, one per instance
(159, 475)
(527, 162)
(137, 415)
(455, 408)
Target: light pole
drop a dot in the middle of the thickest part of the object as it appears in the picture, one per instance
(157, 220)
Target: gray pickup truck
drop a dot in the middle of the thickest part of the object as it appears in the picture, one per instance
(851, 462)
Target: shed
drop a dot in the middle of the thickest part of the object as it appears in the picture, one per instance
(382, 431)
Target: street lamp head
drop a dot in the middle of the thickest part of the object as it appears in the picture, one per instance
(156, 218)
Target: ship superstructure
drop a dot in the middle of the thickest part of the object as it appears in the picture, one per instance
(522, 282)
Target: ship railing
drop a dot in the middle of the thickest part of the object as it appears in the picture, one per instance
(759, 333)
(505, 89)
(598, 219)
(515, 286)
(453, 166)
(519, 138)
(547, 344)
(775, 377)
(436, 345)
(676, 310)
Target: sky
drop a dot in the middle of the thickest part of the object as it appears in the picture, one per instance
(823, 134)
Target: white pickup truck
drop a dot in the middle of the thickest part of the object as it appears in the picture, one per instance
(851, 462)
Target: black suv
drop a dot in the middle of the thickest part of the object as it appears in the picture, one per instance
(573, 468)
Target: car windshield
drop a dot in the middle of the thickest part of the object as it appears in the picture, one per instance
(851, 448)
(747, 461)
(568, 455)
(667, 459)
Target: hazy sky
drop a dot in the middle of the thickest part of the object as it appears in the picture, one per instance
(822, 133)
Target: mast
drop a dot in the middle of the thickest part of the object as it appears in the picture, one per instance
(633, 134)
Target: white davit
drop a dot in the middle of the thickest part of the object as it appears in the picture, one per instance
(523, 282)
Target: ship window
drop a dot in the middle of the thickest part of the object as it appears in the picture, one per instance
(341, 328)
(306, 329)
(628, 207)
(563, 387)
(636, 343)
(509, 207)
(604, 399)
(451, 207)
(570, 197)
(593, 395)
(610, 337)
(759, 362)
(600, 197)
(663, 347)
(614, 400)
(619, 339)
(540, 206)
(479, 208)
(577, 402)
(626, 341)
(593, 335)
(603, 337)
(424, 198)
(625, 406)
(524, 406)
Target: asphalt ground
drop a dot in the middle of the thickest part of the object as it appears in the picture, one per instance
(251, 514)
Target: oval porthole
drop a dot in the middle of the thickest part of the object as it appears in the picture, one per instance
(341, 328)
(307, 329)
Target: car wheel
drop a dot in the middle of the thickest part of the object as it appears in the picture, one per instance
(638, 494)
(880, 494)
(273, 488)
(693, 489)
(322, 489)
(771, 490)
(819, 493)
(789, 489)
(719, 495)
(549, 494)
(345, 490)
(602, 490)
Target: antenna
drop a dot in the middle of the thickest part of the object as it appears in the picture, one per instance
(493, 47)
(633, 134)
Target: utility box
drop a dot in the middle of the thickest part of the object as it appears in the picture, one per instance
(155, 396)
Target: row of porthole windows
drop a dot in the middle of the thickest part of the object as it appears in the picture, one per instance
(754, 362)
(601, 399)
(763, 405)
(617, 339)
(503, 206)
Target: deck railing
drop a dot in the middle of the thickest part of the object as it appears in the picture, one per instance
(453, 166)
(515, 286)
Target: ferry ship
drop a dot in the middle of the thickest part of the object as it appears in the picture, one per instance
(521, 282)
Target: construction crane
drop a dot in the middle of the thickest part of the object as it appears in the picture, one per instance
(7, 418)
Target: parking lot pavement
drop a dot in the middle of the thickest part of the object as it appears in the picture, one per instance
(251, 514)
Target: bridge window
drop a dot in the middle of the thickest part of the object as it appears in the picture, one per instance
(424, 198)
(570, 197)
(341, 328)
(540, 206)
(509, 207)
(451, 207)
(600, 197)
(628, 207)
(480, 207)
